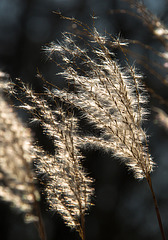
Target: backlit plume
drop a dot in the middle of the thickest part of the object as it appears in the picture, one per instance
(16, 178)
(109, 96)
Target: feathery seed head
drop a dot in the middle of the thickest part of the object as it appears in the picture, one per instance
(17, 185)
(111, 97)
(68, 188)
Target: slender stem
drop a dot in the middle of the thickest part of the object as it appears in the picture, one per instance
(83, 226)
(40, 224)
(156, 207)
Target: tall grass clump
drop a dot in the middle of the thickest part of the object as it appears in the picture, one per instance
(110, 97)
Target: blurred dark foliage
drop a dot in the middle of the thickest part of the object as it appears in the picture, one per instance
(123, 207)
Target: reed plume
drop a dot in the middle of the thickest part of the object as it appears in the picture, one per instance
(161, 118)
(68, 188)
(16, 160)
(151, 21)
(111, 97)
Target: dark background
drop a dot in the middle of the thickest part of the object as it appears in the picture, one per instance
(123, 206)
